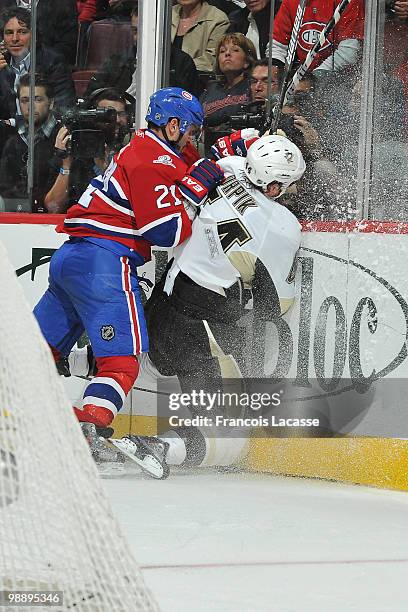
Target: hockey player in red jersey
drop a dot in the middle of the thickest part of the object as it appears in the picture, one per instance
(93, 284)
(343, 45)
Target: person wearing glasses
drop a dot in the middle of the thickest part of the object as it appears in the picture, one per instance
(75, 174)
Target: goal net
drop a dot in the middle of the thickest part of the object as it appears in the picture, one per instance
(57, 530)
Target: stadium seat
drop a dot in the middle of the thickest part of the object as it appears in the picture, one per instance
(107, 38)
(81, 80)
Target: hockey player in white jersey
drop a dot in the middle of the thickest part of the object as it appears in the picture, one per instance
(192, 313)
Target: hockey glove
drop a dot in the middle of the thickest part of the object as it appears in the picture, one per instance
(237, 143)
(201, 178)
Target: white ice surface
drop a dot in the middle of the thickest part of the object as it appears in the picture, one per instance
(256, 543)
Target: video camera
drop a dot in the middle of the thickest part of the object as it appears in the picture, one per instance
(90, 129)
(252, 115)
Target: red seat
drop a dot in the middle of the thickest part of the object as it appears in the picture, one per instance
(81, 80)
(107, 38)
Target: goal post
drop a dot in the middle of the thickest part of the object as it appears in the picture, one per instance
(57, 528)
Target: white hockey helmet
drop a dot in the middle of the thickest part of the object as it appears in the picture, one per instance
(274, 158)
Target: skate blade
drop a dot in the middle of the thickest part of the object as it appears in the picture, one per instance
(110, 469)
(149, 464)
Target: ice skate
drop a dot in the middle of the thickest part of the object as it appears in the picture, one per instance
(97, 438)
(148, 452)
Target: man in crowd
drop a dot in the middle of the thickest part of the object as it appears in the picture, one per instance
(259, 81)
(319, 196)
(94, 286)
(75, 173)
(13, 164)
(57, 24)
(15, 61)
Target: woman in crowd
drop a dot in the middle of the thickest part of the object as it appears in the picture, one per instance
(224, 97)
(196, 29)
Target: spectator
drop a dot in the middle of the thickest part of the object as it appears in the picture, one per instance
(223, 98)
(119, 71)
(343, 46)
(15, 62)
(196, 29)
(75, 174)
(318, 195)
(13, 164)
(254, 20)
(259, 81)
(87, 10)
(57, 24)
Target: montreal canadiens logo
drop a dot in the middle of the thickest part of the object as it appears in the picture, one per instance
(186, 95)
(309, 35)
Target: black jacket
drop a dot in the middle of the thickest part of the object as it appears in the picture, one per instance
(57, 22)
(51, 66)
(239, 23)
(220, 102)
(13, 168)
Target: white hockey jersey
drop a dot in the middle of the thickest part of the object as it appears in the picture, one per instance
(238, 218)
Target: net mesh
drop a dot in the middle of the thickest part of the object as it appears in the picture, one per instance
(57, 529)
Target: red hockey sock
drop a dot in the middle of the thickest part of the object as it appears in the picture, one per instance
(113, 382)
(99, 416)
(55, 353)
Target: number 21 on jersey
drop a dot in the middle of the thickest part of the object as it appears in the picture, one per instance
(166, 196)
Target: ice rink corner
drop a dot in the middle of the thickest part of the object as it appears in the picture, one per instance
(234, 542)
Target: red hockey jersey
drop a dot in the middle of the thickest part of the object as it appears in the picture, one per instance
(136, 202)
(317, 14)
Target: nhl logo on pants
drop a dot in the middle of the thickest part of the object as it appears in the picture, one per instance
(107, 332)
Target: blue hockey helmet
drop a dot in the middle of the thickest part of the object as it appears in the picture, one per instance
(175, 102)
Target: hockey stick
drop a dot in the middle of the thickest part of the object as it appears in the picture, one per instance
(290, 56)
(268, 105)
(301, 71)
(137, 388)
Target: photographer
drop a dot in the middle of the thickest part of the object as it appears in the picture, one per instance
(319, 193)
(259, 80)
(13, 164)
(296, 126)
(76, 171)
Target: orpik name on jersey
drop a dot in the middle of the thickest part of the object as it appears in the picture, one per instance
(238, 219)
